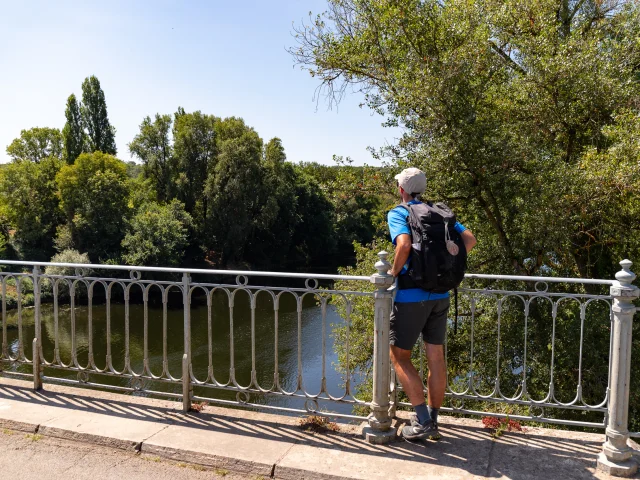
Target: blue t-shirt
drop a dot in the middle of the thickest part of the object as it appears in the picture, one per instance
(398, 225)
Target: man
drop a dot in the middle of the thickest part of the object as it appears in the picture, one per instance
(416, 310)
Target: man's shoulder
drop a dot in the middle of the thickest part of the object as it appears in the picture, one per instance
(397, 211)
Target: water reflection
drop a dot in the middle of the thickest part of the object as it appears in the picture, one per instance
(210, 344)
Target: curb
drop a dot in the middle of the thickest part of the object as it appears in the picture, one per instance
(188, 456)
(19, 426)
(216, 461)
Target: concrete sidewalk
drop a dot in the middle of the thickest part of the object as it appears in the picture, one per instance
(268, 445)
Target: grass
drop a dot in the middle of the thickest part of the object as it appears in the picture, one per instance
(34, 437)
(152, 459)
(6, 431)
(317, 424)
(221, 472)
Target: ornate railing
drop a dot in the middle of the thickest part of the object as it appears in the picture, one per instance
(234, 359)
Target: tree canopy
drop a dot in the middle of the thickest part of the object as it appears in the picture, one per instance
(36, 144)
(505, 105)
(100, 132)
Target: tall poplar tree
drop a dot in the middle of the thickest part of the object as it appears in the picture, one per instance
(73, 132)
(94, 116)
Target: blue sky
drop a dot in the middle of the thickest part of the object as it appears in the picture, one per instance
(222, 57)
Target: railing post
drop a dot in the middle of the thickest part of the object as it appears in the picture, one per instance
(37, 341)
(615, 458)
(379, 428)
(187, 390)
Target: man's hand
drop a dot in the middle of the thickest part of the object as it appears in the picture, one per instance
(403, 249)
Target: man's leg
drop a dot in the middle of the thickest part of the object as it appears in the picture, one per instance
(434, 335)
(437, 381)
(412, 384)
(408, 375)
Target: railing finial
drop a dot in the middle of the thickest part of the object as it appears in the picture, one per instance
(625, 276)
(382, 265)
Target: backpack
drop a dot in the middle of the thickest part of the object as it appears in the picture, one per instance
(438, 258)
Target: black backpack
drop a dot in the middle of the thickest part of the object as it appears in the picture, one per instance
(438, 257)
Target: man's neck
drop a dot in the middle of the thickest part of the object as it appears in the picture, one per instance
(406, 198)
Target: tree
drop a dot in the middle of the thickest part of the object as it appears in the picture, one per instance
(153, 146)
(313, 241)
(28, 190)
(238, 204)
(73, 132)
(101, 134)
(519, 112)
(94, 194)
(158, 235)
(500, 100)
(36, 144)
(274, 152)
(195, 150)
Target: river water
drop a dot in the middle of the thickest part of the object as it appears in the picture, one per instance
(311, 333)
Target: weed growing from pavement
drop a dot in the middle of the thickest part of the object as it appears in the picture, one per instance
(34, 437)
(151, 459)
(6, 431)
(198, 406)
(221, 471)
(317, 424)
(501, 425)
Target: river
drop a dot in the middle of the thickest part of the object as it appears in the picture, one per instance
(265, 340)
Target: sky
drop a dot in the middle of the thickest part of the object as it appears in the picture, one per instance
(226, 58)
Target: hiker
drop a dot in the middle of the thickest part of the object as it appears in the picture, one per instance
(424, 278)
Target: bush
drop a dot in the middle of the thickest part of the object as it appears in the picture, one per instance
(66, 256)
(158, 235)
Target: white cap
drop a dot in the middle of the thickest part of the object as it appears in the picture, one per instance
(412, 180)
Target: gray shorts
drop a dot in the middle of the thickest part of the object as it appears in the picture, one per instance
(409, 319)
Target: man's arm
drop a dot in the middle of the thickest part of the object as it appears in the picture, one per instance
(468, 239)
(403, 249)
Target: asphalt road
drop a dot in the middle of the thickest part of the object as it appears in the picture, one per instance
(26, 456)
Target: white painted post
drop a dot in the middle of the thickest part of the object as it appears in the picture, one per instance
(616, 456)
(187, 390)
(37, 341)
(378, 430)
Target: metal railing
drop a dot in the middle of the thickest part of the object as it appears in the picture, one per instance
(503, 376)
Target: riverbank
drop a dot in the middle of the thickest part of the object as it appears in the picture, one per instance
(274, 446)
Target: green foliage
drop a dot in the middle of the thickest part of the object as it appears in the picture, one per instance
(94, 194)
(361, 196)
(239, 204)
(74, 137)
(314, 239)
(158, 235)
(28, 191)
(524, 116)
(65, 256)
(274, 152)
(36, 144)
(100, 133)
(500, 101)
(354, 341)
(154, 148)
(195, 150)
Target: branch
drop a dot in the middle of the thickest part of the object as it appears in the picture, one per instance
(507, 58)
(575, 10)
